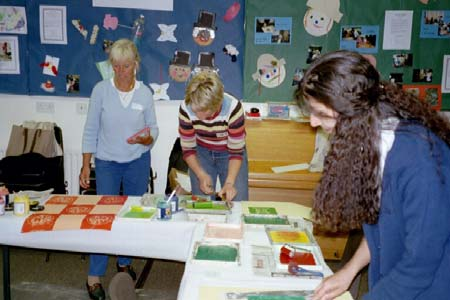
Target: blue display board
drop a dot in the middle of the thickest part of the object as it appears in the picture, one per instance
(78, 58)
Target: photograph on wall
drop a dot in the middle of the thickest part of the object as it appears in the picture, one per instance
(13, 19)
(273, 30)
(435, 24)
(396, 77)
(359, 38)
(313, 53)
(402, 60)
(422, 75)
(428, 93)
(73, 83)
(9, 55)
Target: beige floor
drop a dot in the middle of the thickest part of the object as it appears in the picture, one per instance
(64, 276)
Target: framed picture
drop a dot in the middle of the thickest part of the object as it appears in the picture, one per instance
(430, 93)
(9, 55)
(278, 111)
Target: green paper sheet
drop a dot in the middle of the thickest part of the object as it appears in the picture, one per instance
(218, 253)
(265, 220)
(262, 210)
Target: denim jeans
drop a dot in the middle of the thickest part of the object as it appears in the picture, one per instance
(134, 176)
(215, 163)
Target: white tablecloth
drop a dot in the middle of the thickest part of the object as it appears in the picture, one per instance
(214, 279)
(132, 237)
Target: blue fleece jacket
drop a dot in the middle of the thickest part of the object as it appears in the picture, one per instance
(410, 244)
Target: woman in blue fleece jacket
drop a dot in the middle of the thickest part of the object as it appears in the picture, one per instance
(388, 171)
(119, 107)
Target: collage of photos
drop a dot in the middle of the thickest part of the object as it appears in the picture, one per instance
(428, 93)
(362, 39)
(273, 30)
(435, 24)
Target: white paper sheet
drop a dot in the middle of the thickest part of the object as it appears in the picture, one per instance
(140, 4)
(9, 55)
(445, 87)
(52, 23)
(397, 29)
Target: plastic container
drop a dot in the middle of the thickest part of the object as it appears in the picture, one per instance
(164, 210)
(138, 30)
(21, 205)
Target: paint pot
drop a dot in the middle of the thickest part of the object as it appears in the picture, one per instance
(164, 210)
(21, 205)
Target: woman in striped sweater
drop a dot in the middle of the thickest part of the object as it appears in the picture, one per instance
(212, 135)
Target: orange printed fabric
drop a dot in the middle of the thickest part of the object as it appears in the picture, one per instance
(63, 212)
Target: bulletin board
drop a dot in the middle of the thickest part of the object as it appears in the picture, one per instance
(293, 47)
(157, 48)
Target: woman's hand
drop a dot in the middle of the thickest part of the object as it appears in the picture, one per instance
(85, 174)
(143, 140)
(334, 286)
(206, 184)
(228, 192)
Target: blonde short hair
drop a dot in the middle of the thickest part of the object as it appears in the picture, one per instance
(124, 49)
(204, 92)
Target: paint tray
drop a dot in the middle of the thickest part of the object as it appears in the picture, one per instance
(306, 257)
(207, 207)
(222, 253)
(294, 236)
(217, 231)
(136, 212)
(261, 220)
(207, 217)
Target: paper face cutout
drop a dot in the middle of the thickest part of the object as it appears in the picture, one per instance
(320, 15)
(204, 31)
(179, 73)
(160, 91)
(317, 23)
(167, 33)
(179, 68)
(270, 71)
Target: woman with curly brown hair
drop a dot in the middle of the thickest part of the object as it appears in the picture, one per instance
(387, 171)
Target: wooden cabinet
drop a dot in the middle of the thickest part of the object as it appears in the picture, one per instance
(273, 143)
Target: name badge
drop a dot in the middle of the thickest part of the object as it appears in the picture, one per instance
(136, 106)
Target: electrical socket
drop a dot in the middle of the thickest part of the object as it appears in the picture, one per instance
(82, 108)
(45, 107)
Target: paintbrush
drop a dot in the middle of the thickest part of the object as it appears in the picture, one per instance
(171, 196)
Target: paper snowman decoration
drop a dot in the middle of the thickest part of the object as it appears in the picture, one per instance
(320, 15)
(204, 31)
(179, 68)
(271, 71)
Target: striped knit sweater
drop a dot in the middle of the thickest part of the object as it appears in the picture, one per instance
(224, 132)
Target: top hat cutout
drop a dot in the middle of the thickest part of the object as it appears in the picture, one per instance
(206, 19)
(181, 58)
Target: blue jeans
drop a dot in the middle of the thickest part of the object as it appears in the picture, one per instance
(134, 176)
(215, 163)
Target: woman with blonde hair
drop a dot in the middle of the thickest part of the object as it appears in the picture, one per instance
(119, 108)
(212, 136)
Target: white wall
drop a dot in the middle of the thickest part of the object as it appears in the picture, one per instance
(14, 109)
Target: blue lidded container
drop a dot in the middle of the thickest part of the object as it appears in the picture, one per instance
(164, 210)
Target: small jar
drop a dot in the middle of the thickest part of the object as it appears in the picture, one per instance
(21, 205)
(164, 210)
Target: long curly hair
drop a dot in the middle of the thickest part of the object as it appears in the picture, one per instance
(348, 193)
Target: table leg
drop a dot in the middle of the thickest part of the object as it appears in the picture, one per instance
(6, 279)
(144, 274)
